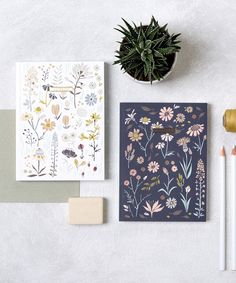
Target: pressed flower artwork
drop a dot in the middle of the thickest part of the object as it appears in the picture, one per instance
(60, 121)
(163, 161)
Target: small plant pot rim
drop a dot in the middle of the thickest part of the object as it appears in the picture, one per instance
(156, 81)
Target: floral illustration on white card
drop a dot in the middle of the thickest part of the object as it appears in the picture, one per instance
(60, 121)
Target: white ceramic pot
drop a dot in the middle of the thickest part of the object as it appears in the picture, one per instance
(156, 81)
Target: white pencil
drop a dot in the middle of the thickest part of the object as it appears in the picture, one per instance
(233, 208)
(222, 209)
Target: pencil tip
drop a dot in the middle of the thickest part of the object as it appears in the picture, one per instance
(222, 151)
(233, 152)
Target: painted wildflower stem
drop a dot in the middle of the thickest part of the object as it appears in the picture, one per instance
(34, 128)
(29, 139)
(137, 198)
(54, 155)
(186, 165)
(200, 189)
(184, 198)
(166, 152)
(95, 149)
(39, 156)
(199, 146)
(180, 182)
(129, 154)
(75, 92)
(167, 186)
(148, 137)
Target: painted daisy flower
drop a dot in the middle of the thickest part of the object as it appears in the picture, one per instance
(195, 130)
(81, 70)
(153, 166)
(167, 137)
(145, 120)
(140, 160)
(160, 145)
(48, 125)
(166, 114)
(90, 99)
(157, 125)
(189, 109)
(135, 135)
(171, 203)
(26, 116)
(180, 117)
(183, 141)
(130, 117)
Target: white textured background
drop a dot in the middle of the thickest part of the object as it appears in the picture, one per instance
(36, 244)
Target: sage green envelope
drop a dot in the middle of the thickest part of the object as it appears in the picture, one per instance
(22, 191)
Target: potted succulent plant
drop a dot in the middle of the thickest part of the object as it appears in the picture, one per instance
(147, 52)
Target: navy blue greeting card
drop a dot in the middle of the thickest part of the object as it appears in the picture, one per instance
(163, 161)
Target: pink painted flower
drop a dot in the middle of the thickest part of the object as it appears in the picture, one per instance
(174, 168)
(140, 160)
(195, 130)
(133, 172)
(166, 114)
(138, 177)
(126, 183)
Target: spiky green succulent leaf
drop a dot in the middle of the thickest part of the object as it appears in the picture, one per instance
(145, 51)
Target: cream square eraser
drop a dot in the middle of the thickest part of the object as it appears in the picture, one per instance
(85, 210)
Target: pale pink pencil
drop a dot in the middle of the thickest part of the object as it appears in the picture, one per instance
(233, 209)
(222, 209)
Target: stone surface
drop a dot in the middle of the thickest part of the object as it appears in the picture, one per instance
(36, 243)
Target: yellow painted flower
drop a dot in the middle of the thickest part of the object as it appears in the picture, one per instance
(135, 135)
(83, 137)
(93, 136)
(48, 125)
(38, 110)
(88, 122)
(95, 116)
(26, 116)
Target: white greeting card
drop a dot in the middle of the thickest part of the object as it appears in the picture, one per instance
(60, 121)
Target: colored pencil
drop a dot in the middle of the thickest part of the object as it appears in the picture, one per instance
(222, 209)
(233, 208)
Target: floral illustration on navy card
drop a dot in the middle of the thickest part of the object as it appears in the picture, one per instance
(163, 161)
(60, 121)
